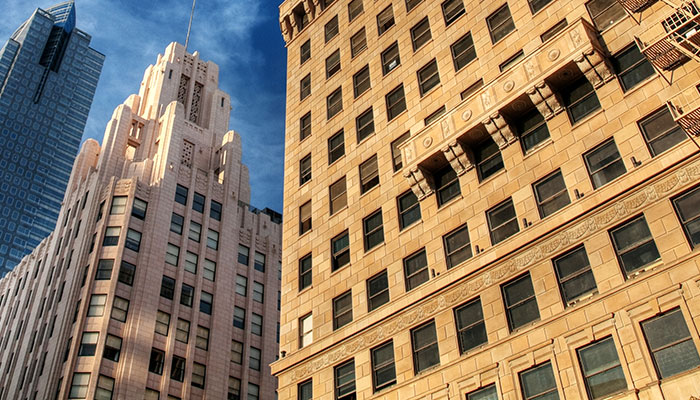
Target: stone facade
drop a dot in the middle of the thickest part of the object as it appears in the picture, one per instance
(558, 200)
(134, 293)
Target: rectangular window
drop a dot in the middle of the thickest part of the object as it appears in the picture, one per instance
(420, 33)
(447, 184)
(234, 388)
(138, 210)
(395, 102)
(195, 232)
(305, 126)
(241, 285)
(215, 210)
(473, 88)
(79, 386)
(342, 310)
(660, 131)
(213, 239)
(601, 369)
(172, 254)
(451, 10)
(120, 309)
(687, 208)
(112, 236)
(256, 324)
(254, 358)
(538, 383)
(500, 23)
(428, 77)
(503, 222)
(167, 287)
(532, 130)
(551, 194)
(510, 61)
(118, 205)
(604, 163)
(305, 390)
(186, 295)
(373, 230)
(236, 352)
(355, 8)
(176, 222)
(334, 103)
(457, 246)
(133, 240)
(259, 262)
(391, 58)
(385, 20)
(305, 272)
(151, 394)
(333, 64)
(239, 317)
(113, 348)
(340, 249)
(206, 301)
(409, 209)
(97, 305)
(331, 29)
(344, 380)
(486, 393)
(411, 4)
(177, 370)
(155, 364)
(520, 302)
(253, 391)
(358, 42)
(471, 329)
(396, 160)
(553, 31)
(488, 159)
(415, 270)
(181, 195)
(104, 270)
(88, 344)
(162, 323)
(209, 270)
(463, 51)
(672, 348)
(574, 274)
(634, 245)
(605, 13)
(198, 202)
(243, 254)
(361, 82)
(199, 374)
(305, 169)
(364, 124)
(631, 67)
(383, 368)
(305, 51)
(369, 174)
(537, 5)
(377, 291)
(305, 330)
(258, 292)
(304, 218)
(336, 147)
(424, 345)
(104, 388)
(435, 115)
(202, 340)
(305, 87)
(580, 99)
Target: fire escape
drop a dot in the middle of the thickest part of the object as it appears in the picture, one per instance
(677, 44)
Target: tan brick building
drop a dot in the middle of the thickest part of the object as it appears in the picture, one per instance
(159, 281)
(491, 200)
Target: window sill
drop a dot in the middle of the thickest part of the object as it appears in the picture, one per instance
(642, 270)
(366, 138)
(305, 233)
(384, 75)
(525, 326)
(369, 89)
(337, 271)
(336, 160)
(398, 115)
(449, 202)
(358, 53)
(537, 147)
(375, 248)
(409, 227)
(585, 119)
(492, 177)
(370, 190)
(432, 89)
(581, 299)
(339, 210)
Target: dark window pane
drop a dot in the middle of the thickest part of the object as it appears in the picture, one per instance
(580, 99)
(383, 370)
(488, 159)
(538, 383)
(415, 270)
(604, 164)
(471, 330)
(425, 347)
(409, 209)
(502, 221)
(688, 209)
(671, 345)
(551, 194)
(457, 247)
(601, 369)
(520, 302)
(661, 132)
(447, 185)
(377, 291)
(634, 245)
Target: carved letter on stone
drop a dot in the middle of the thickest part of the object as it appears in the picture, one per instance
(543, 98)
(595, 67)
(421, 183)
(458, 158)
(499, 130)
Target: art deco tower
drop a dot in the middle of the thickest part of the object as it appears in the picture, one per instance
(48, 76)
(159, 280)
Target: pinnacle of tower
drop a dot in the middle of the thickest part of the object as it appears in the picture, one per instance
(64, 15)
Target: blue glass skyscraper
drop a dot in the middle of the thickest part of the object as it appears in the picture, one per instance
(48, 77)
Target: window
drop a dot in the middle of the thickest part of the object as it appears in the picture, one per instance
(198, 202)
(195, 232)
(605, 13)
(551, 194)
(451, 10)
(447, 185)
(574, 274)
(604, 163)
(457, 246)
(358, 42)
(176, 222)
(253, 391)
(355, 8)
(138, 210)
(396, 160)
(336, 147)
(415, 270)
(239, 317)
(473, 88)
(172, 254)
(510, 61)
(538, 383)
(243, 254)
(342, 310)
(385, 20)
(301, 17)
(186, 295)
(463, 51)
(331, 29)
(199, 373)
(133, 240)
(580, 99)
(305, 126)
(111, 236)
(344, 380)
(167, 287)
(304, 219)
(104, 270)
(391, 58)
(660, 131)
(305, 272)
(631, 67)
(340, 249)
(113, 348)
(532, 130)
(377, 291)
(206, 301)
(334, 103)
(411, 4)
(305, 169)
(120, 309)
(672, 348)
(305, 330)
(215, 210)
(520, 302)
(88, 344)
(209, 270)
(181, 194)
(118, 205)
(420, 33)
(258, 292)
(435, 115)
(373, 230)
(97, 305)
(305, 390)
(259, 262)
(471, 329)
(428, 77)
(241, 285)
(537, 5)
(202, 340)
(634, 245)
(256, 324)
(305, 51)
(156, 361)
(79, 386)
(254, 358)
(213, 239)
(104, 388)
(409, 209)
(177, 370)
(503, 222)
(601, 369)
(182, 331)
(152, 394)
(305, 87)
(500, 23)
(369, 174)
(236, 352)
(424, 345)
(162, 323)
(364, 124)
(486, 393)
(553, 31)
(333, 64)
(488, 159)
(361, 83)
(383, 369)
(687, 207)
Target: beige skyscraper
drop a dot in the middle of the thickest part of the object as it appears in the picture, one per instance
(491, 200)
(160, 281)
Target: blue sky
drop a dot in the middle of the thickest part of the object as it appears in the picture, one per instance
(241, 36)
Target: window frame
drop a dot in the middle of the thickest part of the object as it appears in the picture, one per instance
(427, 83)
(509, 308)
(385, 22)
(452, 18)
(450, 253)
(478, 323)
(305, 272)
(418, 272)
(562, 193)
(336, 152)
(369, 174)
(343, 252)
(582, 271)
(432, 347)
(492, 229)
(419, 39)
(393, 60)
(495, 38)
(342, 316)
(388, 364)
(372, 296)
(359, 80)
(694, 218)
(638, 244)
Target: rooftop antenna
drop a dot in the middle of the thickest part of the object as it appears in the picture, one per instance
(189, 27)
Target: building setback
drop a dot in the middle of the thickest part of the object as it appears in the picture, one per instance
(48, 77)
(159, 281)
(491, 200)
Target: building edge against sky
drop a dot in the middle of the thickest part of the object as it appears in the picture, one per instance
(48, 77)
(159, 279)
(491, 200)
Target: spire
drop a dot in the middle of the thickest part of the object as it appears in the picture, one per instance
(189, 27)
(64, 15)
